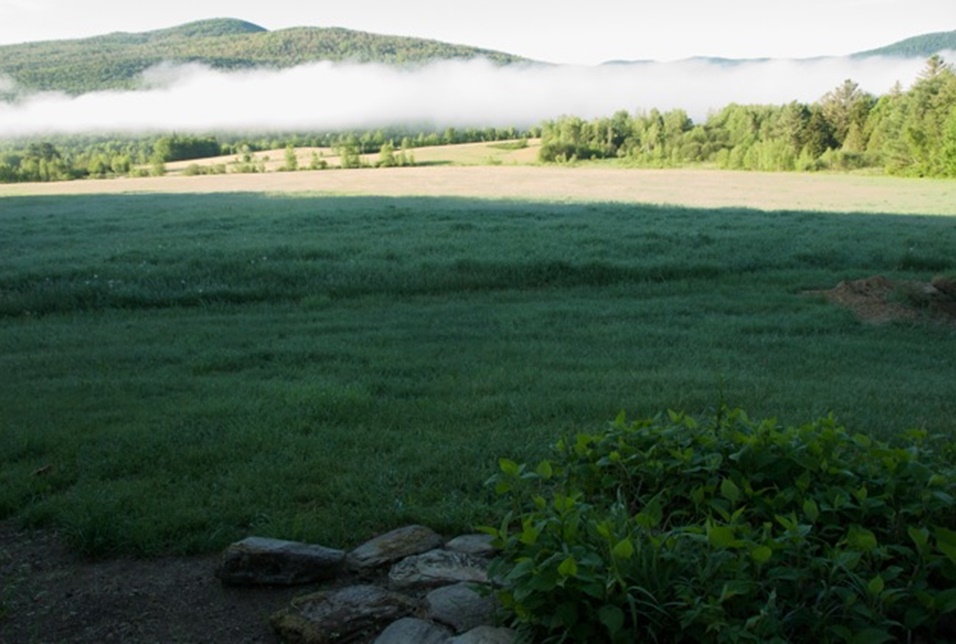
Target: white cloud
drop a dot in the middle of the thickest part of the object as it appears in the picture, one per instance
(327, 96)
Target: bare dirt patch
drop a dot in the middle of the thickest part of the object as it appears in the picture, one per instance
(879, 300)
(48, 594)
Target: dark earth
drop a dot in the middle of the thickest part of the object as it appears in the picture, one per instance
(49, 594)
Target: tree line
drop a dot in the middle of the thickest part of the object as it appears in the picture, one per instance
(910, 133)
(77, 157)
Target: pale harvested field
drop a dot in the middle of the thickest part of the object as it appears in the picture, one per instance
(485, 153)
(695, 188)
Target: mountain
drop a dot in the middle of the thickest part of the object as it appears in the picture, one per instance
(919, 46)
(115, 61)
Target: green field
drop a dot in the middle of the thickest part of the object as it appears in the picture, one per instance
(180, 371)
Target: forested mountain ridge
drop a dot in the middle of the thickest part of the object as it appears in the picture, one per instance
(917, 47)
(115, 61)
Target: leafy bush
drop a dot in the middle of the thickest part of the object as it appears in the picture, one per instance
(670, 529)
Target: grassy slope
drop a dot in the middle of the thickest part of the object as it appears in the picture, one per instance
(193, 369)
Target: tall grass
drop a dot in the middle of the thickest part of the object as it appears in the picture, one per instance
(180, 371)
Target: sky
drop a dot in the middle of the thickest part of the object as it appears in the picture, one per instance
(806, 42)
(558, 31)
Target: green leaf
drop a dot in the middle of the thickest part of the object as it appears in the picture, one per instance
(603, 529)
(861, 539)
(568, 567)
(876, 585)
(945, 601)
(761, 554)
(946, 542)
(613, 618)
(563, 503)
(544, 470)
(872, 636)
(652, 514)
(508, 466)
(722, 536)
(733, 588)
(623, 550)
(810, 510)
(729, 490)
(920, 537)
(529, 533)
(803, 481)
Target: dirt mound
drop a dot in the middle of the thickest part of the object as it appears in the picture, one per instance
(878, 299)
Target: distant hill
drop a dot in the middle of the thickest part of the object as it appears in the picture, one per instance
(919, 46)
(115, 61)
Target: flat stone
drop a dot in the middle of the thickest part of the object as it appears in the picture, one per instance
(486, 635)
(437, 568)
(258, 560)
(461, 606)
(393, 546)
(345, 615)
(473, 544)
(410, 630)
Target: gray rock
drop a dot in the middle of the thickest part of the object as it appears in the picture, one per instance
(437, 568)
(257, 560)
(473, 544)
(486, 635)
(393, 546)
(409, 630)
(351, 613)
(461, 606)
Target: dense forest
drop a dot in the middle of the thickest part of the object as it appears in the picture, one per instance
(117, 61)
(906, 132)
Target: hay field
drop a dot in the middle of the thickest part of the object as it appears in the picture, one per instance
(685, 187)
(486, 153)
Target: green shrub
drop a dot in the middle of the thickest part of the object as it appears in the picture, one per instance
(670, 529)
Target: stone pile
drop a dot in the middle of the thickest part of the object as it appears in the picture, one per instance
(408, 585)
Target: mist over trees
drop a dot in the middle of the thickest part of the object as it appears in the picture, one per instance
(908, 133)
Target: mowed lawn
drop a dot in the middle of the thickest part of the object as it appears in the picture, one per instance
(182, 370)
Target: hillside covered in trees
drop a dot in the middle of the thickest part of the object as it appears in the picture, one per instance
(908, 132)
(116, 61)
(922, 46)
